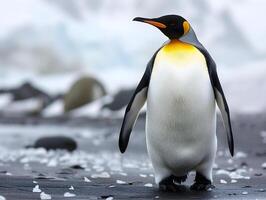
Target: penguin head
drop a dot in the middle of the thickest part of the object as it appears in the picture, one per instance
(173, 26)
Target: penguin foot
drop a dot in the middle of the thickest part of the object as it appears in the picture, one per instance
(170, 184)
(202, 183)
(202, 187)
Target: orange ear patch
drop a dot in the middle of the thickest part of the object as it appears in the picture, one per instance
(186, 27)
(157, 24)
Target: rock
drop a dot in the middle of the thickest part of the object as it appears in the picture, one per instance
(83, 91)
(26, 99)
(55, 142)
(27, 90)
(120, 100)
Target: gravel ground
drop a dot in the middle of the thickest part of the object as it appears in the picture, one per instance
(96, 170)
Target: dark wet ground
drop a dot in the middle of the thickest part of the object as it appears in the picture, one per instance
(110, 175)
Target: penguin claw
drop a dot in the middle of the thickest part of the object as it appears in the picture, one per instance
(202, 187)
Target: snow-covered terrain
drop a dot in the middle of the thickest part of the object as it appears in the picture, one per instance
(52, 42)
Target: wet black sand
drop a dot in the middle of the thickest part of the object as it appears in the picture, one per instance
(121, 177)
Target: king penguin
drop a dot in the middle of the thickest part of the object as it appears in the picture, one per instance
(181, 87)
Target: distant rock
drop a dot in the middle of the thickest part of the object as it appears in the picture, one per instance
(55, 142)
(120, 100)
(27, 90)
(83, 91)
(25, 99)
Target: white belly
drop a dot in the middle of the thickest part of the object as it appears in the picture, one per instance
(181, 117)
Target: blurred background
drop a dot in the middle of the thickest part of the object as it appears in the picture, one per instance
(84, 57)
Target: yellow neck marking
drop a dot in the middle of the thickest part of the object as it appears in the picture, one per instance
(180, 54)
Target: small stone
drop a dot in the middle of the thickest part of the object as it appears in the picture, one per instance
(246, 186)
(231, 169)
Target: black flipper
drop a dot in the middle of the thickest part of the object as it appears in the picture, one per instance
(216, 85)
(135, 104)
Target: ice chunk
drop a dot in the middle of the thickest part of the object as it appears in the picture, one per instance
(45, 196)
(36, 189)
(68, 194)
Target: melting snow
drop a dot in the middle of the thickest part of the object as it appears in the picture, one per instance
(2, 197)
(101, 175)
(223, 181)
(36, 189)
(148, 185)
(120, 182)
(43, 195)
(233, 181)
(238, 174)
(71, 188)
(87, 180)
(68, 194)
(143, 175)
(263, 165)
(240, 154)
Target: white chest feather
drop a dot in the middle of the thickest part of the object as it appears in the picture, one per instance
(180, 108)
